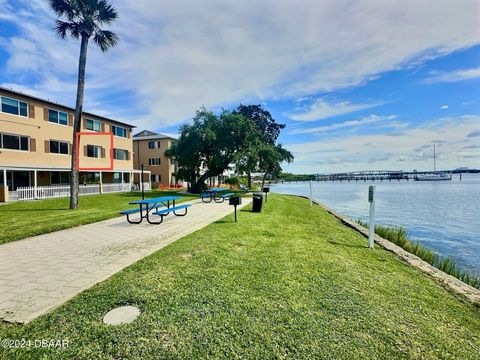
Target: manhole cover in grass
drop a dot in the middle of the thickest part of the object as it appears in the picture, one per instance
(121, 315)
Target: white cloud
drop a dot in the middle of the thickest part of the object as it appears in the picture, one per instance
(453, 76)
(444, 107)
(175, 56)
(411, 149)
(474, 133)
(322, 109)
(346, 124)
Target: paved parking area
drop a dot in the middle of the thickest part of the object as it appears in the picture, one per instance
(40, 273)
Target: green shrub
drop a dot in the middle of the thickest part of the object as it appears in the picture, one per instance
(234, 181)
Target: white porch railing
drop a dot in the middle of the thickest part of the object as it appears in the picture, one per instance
(138, 187)
(107, 188)
(57, 191)
(87, 189)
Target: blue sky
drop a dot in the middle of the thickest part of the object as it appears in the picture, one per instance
(360, 84)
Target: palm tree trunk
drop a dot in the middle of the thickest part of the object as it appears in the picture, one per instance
(249, 179)
(74, 178)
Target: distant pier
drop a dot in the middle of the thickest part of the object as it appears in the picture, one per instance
(355, 176)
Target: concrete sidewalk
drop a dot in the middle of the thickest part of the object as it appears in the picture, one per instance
(40, 273)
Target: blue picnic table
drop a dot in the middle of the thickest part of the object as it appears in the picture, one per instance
(155, 206)
(216, 194)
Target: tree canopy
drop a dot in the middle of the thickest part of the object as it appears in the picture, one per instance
(264, 121)
(84, 19)
(245, 138)
(209, 145)
(263, 155)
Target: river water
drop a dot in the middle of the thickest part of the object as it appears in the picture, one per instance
(443, 215)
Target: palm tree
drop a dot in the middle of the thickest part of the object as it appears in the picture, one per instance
(83, 19)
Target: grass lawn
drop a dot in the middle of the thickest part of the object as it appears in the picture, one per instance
(289, 282)
(23, 219)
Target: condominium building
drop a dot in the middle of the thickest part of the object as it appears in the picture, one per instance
(36, 145)
(149, 150)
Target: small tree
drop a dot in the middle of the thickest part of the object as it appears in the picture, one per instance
(271, 159)
(84, 19)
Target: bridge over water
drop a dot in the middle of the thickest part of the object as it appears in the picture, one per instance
(373, 175)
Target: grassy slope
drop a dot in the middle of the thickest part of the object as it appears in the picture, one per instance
(23, 219)
(290, 281)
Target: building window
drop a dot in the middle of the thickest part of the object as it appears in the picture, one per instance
(57, 177)
(119, 131)
(117, 179)
(91, 178)
(155, 178)
(94, 151)
(154, 144)
(58, 117)
(58, 147)
(94, 125)
(15, 107)
(154, 161)
(14, 142)
(120, 154)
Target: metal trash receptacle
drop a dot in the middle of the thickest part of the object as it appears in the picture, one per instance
(257, 202)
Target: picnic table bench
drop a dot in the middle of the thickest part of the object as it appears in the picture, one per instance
(215, 194)
(147, 206)
(244, 188)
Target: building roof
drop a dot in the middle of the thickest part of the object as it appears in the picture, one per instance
(150, 135)
(11, 91)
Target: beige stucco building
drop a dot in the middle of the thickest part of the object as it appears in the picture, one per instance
(36, 144)
(149, 149)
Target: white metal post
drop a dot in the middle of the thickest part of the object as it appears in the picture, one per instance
(310, 196)
(35, 182)
(371, 224)
(5, 177)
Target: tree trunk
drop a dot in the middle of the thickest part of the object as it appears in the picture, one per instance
(77, 122)
(199, 186)
(249, 179)
(263, 181)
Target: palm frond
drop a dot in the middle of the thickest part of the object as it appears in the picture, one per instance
(62, 28)
(63, 8)
(84, 18)
(105, 39)
(106, 13)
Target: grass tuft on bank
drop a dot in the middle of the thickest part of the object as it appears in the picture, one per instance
(400, 236)
(290, 282)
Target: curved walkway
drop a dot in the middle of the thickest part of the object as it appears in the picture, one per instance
(40, 273)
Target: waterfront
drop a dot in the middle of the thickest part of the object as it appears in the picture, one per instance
(442, 215)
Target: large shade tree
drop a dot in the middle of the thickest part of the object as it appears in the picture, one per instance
(208, 146)
(264, 154)
(83, 19)
(269, 131)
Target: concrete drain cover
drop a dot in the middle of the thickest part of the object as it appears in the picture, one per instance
(121, 315)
